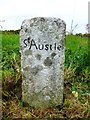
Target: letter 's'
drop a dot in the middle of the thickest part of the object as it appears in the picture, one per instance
(25, 42)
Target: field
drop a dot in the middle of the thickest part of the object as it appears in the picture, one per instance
(76, 81)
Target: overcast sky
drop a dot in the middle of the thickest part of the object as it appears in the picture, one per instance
(15, 11)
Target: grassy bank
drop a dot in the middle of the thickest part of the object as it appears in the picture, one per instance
(76, 81)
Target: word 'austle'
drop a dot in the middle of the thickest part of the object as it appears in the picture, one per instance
(46, 47)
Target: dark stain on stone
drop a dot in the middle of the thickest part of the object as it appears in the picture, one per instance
(26, 68)
(47, 62)
(28, 52)
(35, 19)
(62, 43)
(58, 24)
(38, 56)
(38, 40)
(21, 27)
(31, 24)
(26, 30)
(53, 55)
(59, 56)
(36, 69)
(42, 19)
(57, 37)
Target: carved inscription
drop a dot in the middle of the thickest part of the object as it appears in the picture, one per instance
(32, 44)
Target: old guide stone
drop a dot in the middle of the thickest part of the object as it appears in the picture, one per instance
(42, 61)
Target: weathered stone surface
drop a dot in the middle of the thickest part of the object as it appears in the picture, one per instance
(42, 61)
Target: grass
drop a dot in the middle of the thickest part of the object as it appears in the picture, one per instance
(75, 42)
(76, 81)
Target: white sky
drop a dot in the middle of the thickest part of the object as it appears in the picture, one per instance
(15, 11)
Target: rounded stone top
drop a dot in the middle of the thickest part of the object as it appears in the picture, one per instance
(34, 20)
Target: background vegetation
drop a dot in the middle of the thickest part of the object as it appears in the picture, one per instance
(76, 80)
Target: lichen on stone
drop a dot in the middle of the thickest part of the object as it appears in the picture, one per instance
(47, 62)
